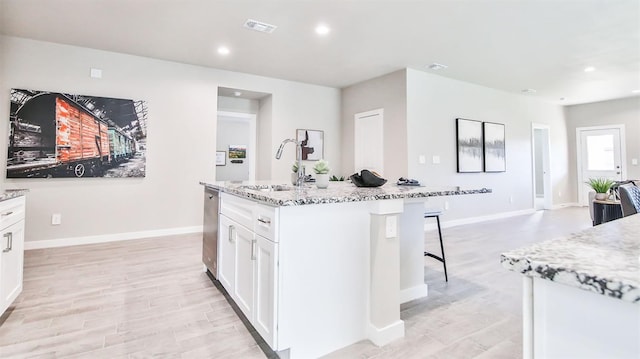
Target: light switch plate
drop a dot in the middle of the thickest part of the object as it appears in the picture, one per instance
(96, 73)
(634, 161)
(436, 160)
(422, 160)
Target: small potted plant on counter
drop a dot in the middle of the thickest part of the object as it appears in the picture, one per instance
(322, 169)
(601, 186)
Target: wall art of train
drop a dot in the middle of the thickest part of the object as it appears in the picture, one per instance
(60, 135)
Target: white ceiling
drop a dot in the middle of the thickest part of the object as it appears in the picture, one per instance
(504, 44)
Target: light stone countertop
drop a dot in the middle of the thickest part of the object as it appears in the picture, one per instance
(604, 259)
(12, 193)
(337, 192)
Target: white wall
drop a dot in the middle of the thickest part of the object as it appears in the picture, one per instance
(624, 111)
(433, 104)
(181, 135)
(389, 93)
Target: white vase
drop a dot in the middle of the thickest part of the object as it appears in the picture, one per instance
(601, 196)
(322, 180)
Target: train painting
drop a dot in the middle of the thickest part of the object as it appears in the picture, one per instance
(60, 135)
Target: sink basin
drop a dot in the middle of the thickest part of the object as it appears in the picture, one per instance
(268, 188)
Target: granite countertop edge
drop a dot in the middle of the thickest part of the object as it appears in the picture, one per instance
(614, 280)
(12, 193)
(337, 193)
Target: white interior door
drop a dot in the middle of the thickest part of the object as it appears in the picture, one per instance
(369, 141)
(542, 194)
(600, 155)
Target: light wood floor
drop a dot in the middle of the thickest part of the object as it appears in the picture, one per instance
(150, 298)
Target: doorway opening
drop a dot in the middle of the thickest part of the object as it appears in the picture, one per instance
(243, 135)
(600, 154)
(542, 192)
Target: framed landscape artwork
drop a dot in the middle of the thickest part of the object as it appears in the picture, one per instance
(469, 145)
(312, 144)
(494, 147)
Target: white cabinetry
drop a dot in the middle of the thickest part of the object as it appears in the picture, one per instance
(12, 250)
(248, 261)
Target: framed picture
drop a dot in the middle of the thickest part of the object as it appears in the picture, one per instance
(495, 159)
(469, 144)
(221, 158)
(237, 151)
(57, 135)
(312, 144)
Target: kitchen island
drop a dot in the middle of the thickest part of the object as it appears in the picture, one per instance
(315, 270)
(581, 295)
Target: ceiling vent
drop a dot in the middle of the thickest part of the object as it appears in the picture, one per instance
(436, 66)
(260, 26)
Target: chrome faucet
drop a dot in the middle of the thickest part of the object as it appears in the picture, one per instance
(300, 180)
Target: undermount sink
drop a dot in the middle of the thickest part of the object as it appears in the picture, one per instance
(268, 188)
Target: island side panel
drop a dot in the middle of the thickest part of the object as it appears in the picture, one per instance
(412, 285)
(570, 322)
(324, 277)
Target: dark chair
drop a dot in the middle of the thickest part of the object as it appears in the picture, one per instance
(629, 199)
(436, 214)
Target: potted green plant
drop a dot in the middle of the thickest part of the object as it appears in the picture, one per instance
(601, 186)
(321, 168)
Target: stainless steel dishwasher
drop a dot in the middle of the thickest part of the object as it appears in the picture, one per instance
(210, 230)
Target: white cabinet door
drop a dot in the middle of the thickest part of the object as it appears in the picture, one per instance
(243, 293)
(227, 253)
(12, 246)
(265, 311)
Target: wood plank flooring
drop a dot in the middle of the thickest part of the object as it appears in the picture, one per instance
(150, 299)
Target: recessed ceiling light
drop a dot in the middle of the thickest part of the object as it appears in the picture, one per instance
(635, 91)
(260, 26)
(436, 66)
(223, 50)
(529, 91)
(237, 93)
(322, 29)
(589, 69)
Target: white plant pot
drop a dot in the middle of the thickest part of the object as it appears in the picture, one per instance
(601, 196)
(322, 180)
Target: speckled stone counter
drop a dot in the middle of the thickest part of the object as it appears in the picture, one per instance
(337, 192)
(12, 193)
(604, 259)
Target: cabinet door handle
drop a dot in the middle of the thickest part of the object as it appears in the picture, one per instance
(263, 220)
(231, 229)
(7, 214)
(253, 250)
(9, 237)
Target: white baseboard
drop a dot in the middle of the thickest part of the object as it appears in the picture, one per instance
(384, 336)
(74, 241)
(471, 220)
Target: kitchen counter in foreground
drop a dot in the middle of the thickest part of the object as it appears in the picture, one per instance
(337, 192)
(581, 293)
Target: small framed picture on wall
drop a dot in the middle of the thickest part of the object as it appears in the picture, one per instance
(221, 158)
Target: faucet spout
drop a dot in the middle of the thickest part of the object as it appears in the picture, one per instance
(300, 179)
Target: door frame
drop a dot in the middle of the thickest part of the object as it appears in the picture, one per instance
(251, 151)
(623, 155)
(378, 141)
(546, 165)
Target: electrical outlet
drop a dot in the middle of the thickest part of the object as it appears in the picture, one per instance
(510, 199)
(559, 194)
(56, 219)
(446, 205)
(391, 228)
(422, 160)
(436, 160)
(634, 161)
